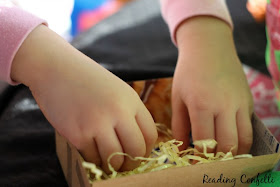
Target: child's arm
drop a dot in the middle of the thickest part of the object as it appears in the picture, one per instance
(92, 108)
(15, 25)
(210, 95)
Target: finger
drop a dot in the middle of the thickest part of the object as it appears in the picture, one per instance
(226, 132)
(202, 126)
(180, 123)
(148, 129)
(132, 142)
(108, 143)
(245, 131)
(90, 152)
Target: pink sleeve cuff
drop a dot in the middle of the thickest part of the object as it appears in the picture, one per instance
(175, 12)
(15, 25)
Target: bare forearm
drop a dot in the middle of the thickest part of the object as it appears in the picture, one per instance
(43, 54)
(204, 36)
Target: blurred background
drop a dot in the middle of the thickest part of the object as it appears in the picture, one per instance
(70, 17)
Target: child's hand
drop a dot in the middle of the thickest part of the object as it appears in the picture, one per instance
(210, 94)
(96, 111)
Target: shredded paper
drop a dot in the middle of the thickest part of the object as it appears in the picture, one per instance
(165, 155)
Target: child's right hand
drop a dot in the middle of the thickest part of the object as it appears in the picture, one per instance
(96, 111)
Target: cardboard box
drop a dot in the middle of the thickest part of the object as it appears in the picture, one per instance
(156, 96)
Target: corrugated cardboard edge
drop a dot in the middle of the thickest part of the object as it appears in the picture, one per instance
(71, 163)
(263, 141)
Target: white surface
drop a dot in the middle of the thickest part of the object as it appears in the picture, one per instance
(56, 12)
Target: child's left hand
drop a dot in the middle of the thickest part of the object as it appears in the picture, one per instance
(210, 94)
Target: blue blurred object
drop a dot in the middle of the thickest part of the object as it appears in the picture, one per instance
(80, 6)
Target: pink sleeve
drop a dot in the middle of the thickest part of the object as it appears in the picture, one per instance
(15, 25)
(175, 12)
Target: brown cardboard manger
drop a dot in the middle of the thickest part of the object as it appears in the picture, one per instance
(156, 96)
